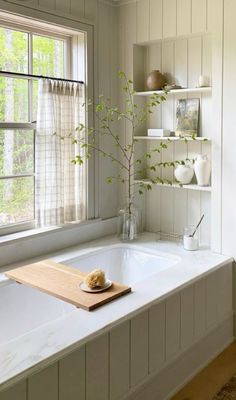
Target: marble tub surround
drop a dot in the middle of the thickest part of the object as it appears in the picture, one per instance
(41, 330)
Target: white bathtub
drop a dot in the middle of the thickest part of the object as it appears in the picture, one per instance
(36, 328)
(28, 309)
(124, 263)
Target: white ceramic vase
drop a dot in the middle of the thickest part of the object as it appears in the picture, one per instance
(184, 174)
(202, 169)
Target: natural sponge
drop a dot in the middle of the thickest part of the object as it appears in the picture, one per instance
(95, 278)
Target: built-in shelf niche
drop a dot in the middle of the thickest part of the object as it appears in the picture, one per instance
(182, 60)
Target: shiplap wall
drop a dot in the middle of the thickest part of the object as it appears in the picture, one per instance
(103, 16)
(181, 38)
(182, 60)
(113, 365)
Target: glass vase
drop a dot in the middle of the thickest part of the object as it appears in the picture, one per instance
(129, 223)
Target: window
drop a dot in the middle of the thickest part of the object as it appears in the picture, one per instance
(26, 52)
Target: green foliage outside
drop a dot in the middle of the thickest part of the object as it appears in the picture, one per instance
(17, 146)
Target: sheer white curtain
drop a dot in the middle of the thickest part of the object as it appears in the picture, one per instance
(60, 186)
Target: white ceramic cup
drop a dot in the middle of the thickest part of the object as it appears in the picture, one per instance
(203, 81)
(190, 243)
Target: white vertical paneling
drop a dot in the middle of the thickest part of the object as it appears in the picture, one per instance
(199, 16)
(187, 317)
(181, 62)
(194, 61)
(194, 197)
(143, 13)
(172, 326)
(205, 229)
(212, 286)
(16, 392)
(225, 290)
(91, 9)
(180, 210)
(44, 384)
(107, 51)
(72, 376)
(119, 360)
(62, 5)
(200, 308)
(167, 210)
(215, 25)
(153, 207)
(169, 18)
(229, 123)
(155, 19)
(77, 7)
(97, 369)
(183, 17)
(154, 57)
(131, 27)
(156, 337)
(139, 348)
(47, 4)
(207, 57)
(154, 62)
(194, 202)
(168, 60)
(167, 194)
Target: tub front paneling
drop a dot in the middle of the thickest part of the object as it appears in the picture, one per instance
(199, 308)
(212, 303)
(97, 386)
(157, 332)
(139, 348)
(172, 326)
(44, 384)
(119, 361)
(112, 365)
(72, 376)
(225, 290)
(17, 392)
(187, 317)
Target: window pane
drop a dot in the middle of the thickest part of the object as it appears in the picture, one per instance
(14, 50)
(48, 56)
(13, 100)
(16, 200)
(16, 152)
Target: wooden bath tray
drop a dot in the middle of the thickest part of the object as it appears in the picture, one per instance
(63, 282)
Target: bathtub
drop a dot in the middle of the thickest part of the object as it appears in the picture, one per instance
(123, 263)
(170, 287)
(33, 309)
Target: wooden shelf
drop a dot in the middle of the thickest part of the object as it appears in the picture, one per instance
(172, 138)
(184, 90)
(175, 186)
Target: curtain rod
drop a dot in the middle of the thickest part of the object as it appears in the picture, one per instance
(37, 76)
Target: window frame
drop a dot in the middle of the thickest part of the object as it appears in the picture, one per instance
(31, 125)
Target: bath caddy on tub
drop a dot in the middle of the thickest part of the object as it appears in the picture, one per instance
(63, 282)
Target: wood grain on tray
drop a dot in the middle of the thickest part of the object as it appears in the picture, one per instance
(62, 281)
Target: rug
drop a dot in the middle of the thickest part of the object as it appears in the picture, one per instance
(228, 391)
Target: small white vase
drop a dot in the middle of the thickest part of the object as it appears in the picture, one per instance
(184, 174)
(202, 169)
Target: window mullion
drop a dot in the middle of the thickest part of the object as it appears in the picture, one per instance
(30, 69)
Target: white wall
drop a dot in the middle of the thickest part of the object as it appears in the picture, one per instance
(103, 16)
(188, 30)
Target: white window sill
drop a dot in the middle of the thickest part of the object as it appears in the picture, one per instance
(39, 232)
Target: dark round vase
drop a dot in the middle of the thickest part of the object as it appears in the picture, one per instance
(155, 80)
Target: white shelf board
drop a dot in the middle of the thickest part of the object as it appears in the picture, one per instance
(206, 89)
(175, 186)
(172, 138)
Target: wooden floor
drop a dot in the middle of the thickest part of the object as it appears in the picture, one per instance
(210, 380)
